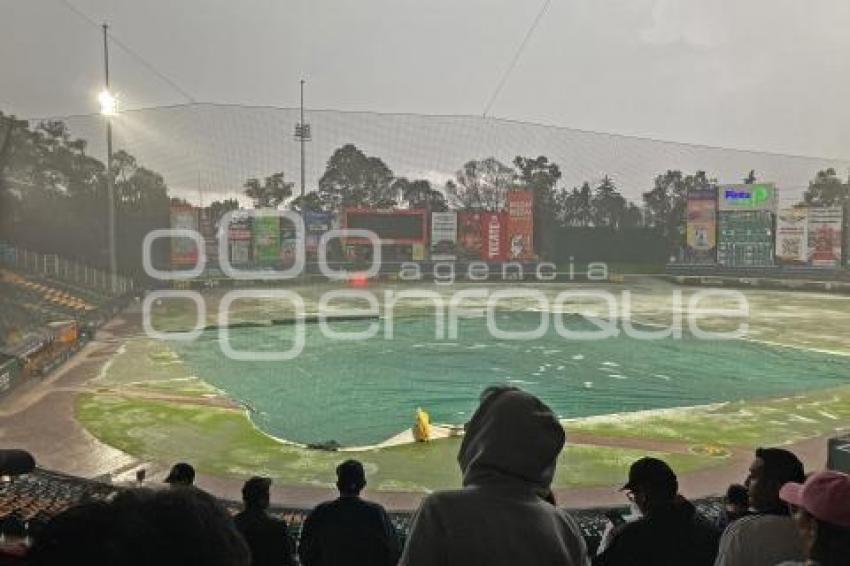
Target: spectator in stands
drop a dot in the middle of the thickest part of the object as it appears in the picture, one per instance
(736, 504)
(768, 535)
(503, 515)
(141, 527)
(348, 530)
(822, 513)
(267, 537)
(181, 474)
(670, 531)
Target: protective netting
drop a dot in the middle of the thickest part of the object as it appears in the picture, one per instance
(207, 151)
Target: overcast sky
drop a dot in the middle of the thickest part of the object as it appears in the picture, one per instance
(770, 75)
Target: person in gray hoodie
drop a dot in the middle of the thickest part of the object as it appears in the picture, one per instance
(503, 515)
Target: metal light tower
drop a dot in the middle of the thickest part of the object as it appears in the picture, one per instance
(109, 108)
(302, 134)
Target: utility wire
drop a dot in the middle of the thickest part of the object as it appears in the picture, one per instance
(130, 52)
(516, 57)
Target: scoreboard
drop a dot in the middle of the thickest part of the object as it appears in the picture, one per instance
(391, 226)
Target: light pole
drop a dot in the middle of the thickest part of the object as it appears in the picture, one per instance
(109, 108)
(302, 134)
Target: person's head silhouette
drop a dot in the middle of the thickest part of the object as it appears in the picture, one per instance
(350, 478)
(255, 493)
(181, 474)
(138, 527)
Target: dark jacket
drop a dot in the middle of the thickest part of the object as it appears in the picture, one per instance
(500, 516)
(348, 532)
(673, 536)
(267, 537)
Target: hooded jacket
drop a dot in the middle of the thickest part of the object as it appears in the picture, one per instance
(500, 516)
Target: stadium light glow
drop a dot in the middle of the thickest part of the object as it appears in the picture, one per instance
(108, 103)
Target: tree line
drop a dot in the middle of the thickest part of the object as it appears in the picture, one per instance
(53, 195)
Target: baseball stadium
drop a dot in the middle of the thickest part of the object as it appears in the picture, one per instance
(191, 283)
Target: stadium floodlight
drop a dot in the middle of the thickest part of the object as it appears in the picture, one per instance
(108, 103)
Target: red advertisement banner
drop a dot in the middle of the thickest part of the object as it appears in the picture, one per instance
(493, 236)
(520, 205)
(184, 251)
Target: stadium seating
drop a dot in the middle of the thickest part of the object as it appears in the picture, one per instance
(28, 303)
(28, 501)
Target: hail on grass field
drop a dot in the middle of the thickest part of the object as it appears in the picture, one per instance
(645, 374)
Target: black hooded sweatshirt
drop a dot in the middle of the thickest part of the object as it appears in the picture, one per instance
(499, 517)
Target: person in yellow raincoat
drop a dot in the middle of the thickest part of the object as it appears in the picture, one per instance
(422, 426)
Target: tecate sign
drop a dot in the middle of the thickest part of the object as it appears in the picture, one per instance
(747, 197)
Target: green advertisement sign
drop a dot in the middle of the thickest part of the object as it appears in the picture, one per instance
(267, 240)
(758, 196)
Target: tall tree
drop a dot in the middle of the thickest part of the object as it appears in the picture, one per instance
(142, 205)
(273, 191)
(608, 205)
(667, 201)
(632, 216)
(420, 194)
(481, 185)
(219, 208)
(310, 202)
(827, 189)
(57, 198)
(574, 208)
(352, 178)
(540, 176)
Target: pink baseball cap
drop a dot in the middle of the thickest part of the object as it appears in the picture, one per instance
(824, 495)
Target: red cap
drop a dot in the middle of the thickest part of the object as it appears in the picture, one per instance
(825, 496)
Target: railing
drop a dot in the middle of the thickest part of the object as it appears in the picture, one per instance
(64, 270)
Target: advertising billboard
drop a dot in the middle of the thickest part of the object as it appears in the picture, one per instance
(443, 236)
(266, 240)
(758, 196)
(520, 210)
(391, 226)
(824, 235)
(469, 235)
(207, 225)
(239, 235)
(316, 224)
(183, 250)
(702, 227)
(792, 244)
(288, 242)
(745, 239)
(493, 236)
(240, 252)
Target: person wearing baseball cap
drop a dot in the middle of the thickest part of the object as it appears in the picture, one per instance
(670, 530)
(822, 513)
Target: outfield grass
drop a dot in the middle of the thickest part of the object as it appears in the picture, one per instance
(742, 423)
(223, 442)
